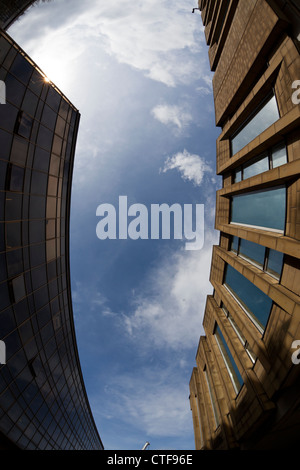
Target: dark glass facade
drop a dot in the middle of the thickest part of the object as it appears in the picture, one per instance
(10, 10)
(43, 401)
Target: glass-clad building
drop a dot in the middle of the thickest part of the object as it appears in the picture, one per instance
(43, 401)
(245, 387)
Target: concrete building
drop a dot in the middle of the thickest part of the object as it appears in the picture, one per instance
(245, 388)
(43, 401)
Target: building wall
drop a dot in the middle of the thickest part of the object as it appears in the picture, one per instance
(10, 10)
(43, 402)
(254, 51)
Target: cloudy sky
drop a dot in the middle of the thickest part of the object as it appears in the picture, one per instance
(138, 72)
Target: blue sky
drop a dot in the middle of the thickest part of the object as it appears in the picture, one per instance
(139, 74)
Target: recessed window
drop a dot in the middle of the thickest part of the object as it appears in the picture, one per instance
(274, 157)
(24, 125)
(267, 259)
(264, 209)
(254, 302)
(264, 116)
(230, 363)
(239, 334)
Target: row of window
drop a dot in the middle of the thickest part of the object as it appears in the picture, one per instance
(274, 157)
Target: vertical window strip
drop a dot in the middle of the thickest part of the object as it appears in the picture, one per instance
(212, 399)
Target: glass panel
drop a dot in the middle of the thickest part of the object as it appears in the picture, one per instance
(48, 117)
(53, 99)
(41, 159)
(18, 286)
(21, 68)
(19, 151)
(238, 176)
(266, 116)
(39, 182)
(256, 167)
(24, 125)
(5, 139)
(14, 90)
(16, 178)
(275, 261)
(36, 82)
(279, 155)
(229, 361)
(235, 244)
(253, 300)
(44, 138)
(264, 208)
(30, 102)
(252, 251)
(13, 235)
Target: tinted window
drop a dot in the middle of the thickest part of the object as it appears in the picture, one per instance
(229, 361)
(21, 68)
(253, 300)
(30, 102)
(252, 251)
(266, 116)
(14, 90)
(19, 151)
(5, 139)
(41, 159)
(264, 208)
(256, 167)
(275, 261)
(24, 125)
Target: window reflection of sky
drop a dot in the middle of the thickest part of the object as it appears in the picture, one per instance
(260, 208)
(253, 299)
(267, 115)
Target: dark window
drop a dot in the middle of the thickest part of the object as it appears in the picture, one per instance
(41, 159)
(39, 183)
(53, 99)
(13, 207)
(38, 277)
(30, 102)
(36, 82)
(48, 117)
(5, 139)
(255, 303)
(21, 68)
(8, 116)
(44, 138)
(24, 125)
(18, 287)
(14, 90)
(37, 254)
(19, 151)
(13, 235)
(37, 207)
(36, 231)
(15, 178)
(230, 363)
(4, 48)
(14, 261)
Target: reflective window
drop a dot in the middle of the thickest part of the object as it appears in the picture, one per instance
(239, 334)
(274, 157)
(18, 287)
(19, 151)
(48, 117)
(266, 115)
(36, 82)
(267, 259)
(8, 116)
(264, 209)
(5, 139)
(24, 125)
(44, 138)
(15, 178)
(21, 68)
(231, 366)
(36, 231)
(41, 159)
(274, 263)
(13, 206)
(14, 90)
(39, 182)
(30, 102)
(252, 251)
(13, 235)
(255, 303)
(53, 99)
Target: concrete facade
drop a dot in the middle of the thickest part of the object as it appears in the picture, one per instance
(254, 53)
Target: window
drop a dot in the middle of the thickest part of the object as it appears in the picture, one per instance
(273, 158)
(24, 125)
(231, 366)
(264, 209)
(239, 334)
(21, 68)
(18, 288)
(267, 259)
(14, 178)
(254, 302)
(264, 116)
(212, 398)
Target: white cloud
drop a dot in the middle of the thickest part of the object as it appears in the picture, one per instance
(169, 313)
(172, 114)
(152, 36)
(191, 166)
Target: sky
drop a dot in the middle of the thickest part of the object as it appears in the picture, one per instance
(139, 74)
